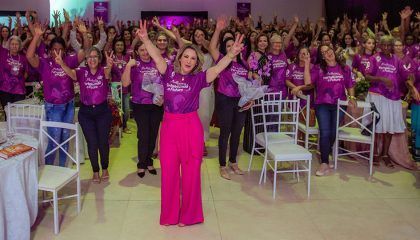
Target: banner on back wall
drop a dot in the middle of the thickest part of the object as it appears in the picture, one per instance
(243, 10)
(101, 10)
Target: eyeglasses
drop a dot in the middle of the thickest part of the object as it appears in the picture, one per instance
(92, 57)
(325, 52)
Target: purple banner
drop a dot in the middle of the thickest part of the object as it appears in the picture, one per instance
(243, 10)
(101, 10)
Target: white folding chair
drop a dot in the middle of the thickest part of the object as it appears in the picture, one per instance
(24, 118)
(259, 141)
(54, 178)
(286, 151)
(304, 127)
(346, 133)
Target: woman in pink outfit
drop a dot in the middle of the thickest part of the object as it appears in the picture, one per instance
(181, 136)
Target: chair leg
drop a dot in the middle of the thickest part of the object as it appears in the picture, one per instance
(309, 177)
(56, 222)
(306, 140)
(252, 155)
(297, 170)
(335, 154)
(79, 204)
(275, 179)
(371, 159)
(263, 171)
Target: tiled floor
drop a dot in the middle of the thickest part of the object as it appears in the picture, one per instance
(346, 205)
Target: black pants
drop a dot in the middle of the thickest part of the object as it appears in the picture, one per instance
(231, 122)
(96, 125)
(148, 118)
(6, 97)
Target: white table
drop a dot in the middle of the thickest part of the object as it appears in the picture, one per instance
(19, 191)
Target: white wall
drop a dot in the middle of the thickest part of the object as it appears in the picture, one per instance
(130, 9)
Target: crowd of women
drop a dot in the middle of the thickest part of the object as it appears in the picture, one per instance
(197, 65)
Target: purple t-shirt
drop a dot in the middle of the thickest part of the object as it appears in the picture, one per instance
(389, 67)
(12, 72)
(294, 74)
(331, 85)
(118, 69)
(362, 62)
(93, 87)
(277, 82)
(58, 86)
(408, 67)
(182, 92)
(227, 85)
(139, 72)
(169, 58)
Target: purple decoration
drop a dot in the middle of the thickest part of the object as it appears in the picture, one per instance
(170, 21)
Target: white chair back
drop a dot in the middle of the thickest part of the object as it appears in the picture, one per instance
(257, 114)
(348, 133)
(44, 137)
(283, 114)
(24, 118)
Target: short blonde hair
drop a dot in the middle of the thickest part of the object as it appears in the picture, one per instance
(200, 58)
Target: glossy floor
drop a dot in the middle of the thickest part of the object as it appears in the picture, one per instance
(345, 205)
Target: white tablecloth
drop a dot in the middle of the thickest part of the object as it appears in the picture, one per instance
(82, 142)
(19, 192)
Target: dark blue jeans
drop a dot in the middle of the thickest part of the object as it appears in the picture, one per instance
(58, 113)
(326, 115)
(96, 122)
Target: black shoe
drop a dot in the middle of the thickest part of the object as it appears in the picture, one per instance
(141, 174)
(152, 171)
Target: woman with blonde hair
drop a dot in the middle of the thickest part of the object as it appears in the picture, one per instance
(181, 136)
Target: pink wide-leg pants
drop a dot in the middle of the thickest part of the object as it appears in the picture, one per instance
(181, 153)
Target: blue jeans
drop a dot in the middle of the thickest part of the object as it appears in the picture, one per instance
(326, 115)
(126, 108)
(58, 113)
(415, 124)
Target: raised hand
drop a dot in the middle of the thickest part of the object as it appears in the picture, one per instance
(155, 22)
(384, 16)
(237, 46)
(100, 22)
(56, 14)
(131, 62)
(176, 32)
(142, 31)
(418, 16)
(38, 29)
(109, 59)
(28, 16)
(221, 23)
(82, 27)
(66, 15)
(295, 19)
(58, 57)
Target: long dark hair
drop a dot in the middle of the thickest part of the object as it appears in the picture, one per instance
(321, 61)
(343, 41)
(223, 51)
(203, 49)
(115, 42)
